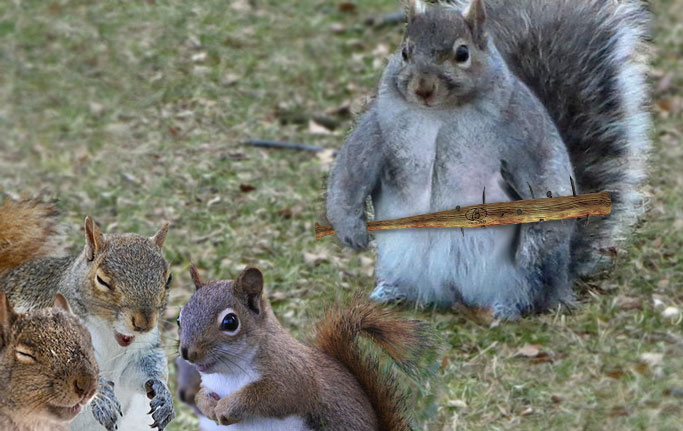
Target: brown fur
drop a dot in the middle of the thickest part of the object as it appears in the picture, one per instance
(28, 230)
(63, 374)
(401, 339)
(332, 384)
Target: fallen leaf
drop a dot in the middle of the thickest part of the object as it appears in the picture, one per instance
(557, 399)
(338, 28)
(615, 373)
(318, 129)
(526, 412)
(326, 157)
(529, 351)
(618, 411)
(315, 259)
(652, 359)
(671, 312)
(347, 6)
(625, 302)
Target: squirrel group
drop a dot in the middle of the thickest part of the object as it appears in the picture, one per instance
(514, 98)
(118, 286)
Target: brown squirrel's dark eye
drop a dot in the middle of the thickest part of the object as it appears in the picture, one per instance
(230, 323)
(168, 282)
(462, 54)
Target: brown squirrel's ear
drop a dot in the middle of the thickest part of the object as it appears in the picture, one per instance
(475, 17)
(250, 284)
(62, 303)
(7, 317)
(94, 240)
(159, 238)
(414, 8)
(196, 279)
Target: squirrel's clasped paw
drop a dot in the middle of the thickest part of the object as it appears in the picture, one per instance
(161, 404)
(227, 412)
(353, 233)
(105, 406)
(206, 401)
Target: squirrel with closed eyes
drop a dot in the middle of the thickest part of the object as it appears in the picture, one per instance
(48, 371)
(514, 98)
(118, 285)
(255, 376)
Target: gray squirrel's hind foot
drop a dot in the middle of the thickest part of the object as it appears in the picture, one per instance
(386, 293)
(506, 312)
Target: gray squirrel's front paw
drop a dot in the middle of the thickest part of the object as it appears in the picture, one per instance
(161, 406)
(105, 406)
(353, 233)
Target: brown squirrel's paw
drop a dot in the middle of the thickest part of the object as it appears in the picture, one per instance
(161, 406)
(206, 402)
(227, 411)
(105, 407)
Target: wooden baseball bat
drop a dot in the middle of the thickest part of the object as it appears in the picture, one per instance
(496, 214)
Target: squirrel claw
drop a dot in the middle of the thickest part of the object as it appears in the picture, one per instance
(161, 404)
(105, 406)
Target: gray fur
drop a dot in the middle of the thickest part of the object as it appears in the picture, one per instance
(105, 406)
(483, 127)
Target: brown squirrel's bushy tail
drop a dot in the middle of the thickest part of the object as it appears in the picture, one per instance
(405, 341)
(28, 230)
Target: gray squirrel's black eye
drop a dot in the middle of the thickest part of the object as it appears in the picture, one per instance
(462, 54)
(230, 323)
(178, 321)
(404, 53)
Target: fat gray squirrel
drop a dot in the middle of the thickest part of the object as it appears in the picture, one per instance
(515, 97)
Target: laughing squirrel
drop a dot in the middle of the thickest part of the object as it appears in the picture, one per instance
(48, 370)
(256, 376)
(511, 97)
(118, 285)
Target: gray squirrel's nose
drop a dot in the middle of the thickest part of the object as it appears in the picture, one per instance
(425, 90)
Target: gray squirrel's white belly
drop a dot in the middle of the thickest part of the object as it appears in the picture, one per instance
(439, 265)
(113, 360)
(225, 385)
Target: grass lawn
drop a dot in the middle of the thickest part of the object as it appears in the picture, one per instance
(135, 112)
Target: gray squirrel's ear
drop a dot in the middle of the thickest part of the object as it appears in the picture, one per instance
(62, 303)
(196, 279)
(94, 240)
(414, 8)
(7, 317)
(475, 17)
(159, 238)
(250, 284)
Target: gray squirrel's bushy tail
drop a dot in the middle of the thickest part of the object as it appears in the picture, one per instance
(586, 60)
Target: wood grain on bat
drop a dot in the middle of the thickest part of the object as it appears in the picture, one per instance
(496, 214)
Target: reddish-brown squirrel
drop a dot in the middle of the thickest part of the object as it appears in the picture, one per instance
(256, 376)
